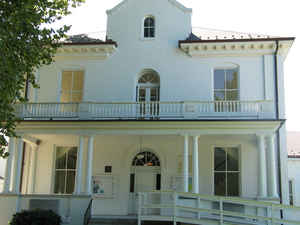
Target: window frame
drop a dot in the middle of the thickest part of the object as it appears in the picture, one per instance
(292, 197)
(225, 68)
(54, 169)
(143, 37)
(238, 147)
(61, 82)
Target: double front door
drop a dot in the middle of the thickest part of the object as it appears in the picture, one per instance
(148, 101)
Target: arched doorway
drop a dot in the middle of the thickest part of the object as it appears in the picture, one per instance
(145, 175)
(148, 93)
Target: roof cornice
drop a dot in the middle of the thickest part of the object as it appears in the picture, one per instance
(235, 47)
(173, 2)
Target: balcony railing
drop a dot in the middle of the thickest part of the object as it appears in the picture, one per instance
(146, 110)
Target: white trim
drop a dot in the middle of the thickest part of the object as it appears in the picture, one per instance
(239, 147)
(173, 2)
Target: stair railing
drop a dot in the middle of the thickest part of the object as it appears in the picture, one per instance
(88, 213)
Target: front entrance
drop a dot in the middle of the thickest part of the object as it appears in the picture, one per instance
(145, 176)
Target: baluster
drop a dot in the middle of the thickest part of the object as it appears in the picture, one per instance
(221, 212)
(175, 211)
(139, 208)
(199, 206)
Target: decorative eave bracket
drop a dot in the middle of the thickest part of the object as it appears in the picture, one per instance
(237, 48)
(96, 51)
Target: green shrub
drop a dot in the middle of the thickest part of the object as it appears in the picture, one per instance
(36, 217)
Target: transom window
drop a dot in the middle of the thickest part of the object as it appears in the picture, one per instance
(226, 86)
(226, 171)
(146, 158)
(149, 27)
(65, 170)
(72, 86)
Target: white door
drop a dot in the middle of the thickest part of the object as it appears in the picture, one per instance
(148, 98)
(145, 179)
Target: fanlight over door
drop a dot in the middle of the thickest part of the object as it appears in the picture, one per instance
(148, 93)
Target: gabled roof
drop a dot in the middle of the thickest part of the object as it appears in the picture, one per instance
(173, 2)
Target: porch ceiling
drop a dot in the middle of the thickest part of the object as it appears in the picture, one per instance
(149, 127)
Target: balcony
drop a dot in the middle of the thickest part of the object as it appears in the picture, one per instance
(197, 110)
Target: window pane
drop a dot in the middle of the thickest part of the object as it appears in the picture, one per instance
(78, 80)
(233, 184)
(232, 95)
(72, 158)
(219, 79)
(66, 80)
(61, 156)
(146, 32)
(151, 32)
(151, 22)
(70, 182)
(76, 97)
(219, 95)
(220, 159)
(146, 22)
(231, 79)
(220, 184)
(65, 96)
(59, 186)
(232, 159)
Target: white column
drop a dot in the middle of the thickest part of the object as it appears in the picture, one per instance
(262, 168)
(18, 167)
(272, 185)
(34, 150)
(195, 166)
(9, 168)
(89, 162)
(185, 166)
(79, 166)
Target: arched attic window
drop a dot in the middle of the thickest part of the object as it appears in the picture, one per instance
(149, 27)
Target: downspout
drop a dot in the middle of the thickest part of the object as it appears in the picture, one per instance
(24, 144)
(277, 118)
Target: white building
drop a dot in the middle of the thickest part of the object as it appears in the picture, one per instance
(155, 107)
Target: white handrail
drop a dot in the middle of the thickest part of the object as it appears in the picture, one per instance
(135, 110)
(221, 215)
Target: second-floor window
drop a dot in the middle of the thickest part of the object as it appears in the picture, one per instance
(72, 86)
(226, 87)
(149, 27)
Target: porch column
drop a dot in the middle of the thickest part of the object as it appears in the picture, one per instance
(9, 168)
(185, 166)
(18, 167)
(89, 170)
(79, 166)
(33, 158)
(273, 193)
(195, 166)
(262, 169)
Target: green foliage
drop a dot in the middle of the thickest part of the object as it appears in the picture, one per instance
(36, 217)
(27, 42)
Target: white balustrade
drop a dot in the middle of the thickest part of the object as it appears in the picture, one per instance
(145, 110)
(193, 208)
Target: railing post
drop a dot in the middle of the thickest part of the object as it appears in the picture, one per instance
(221, 212)
(199, 206)
(139, 208)
(174, 208)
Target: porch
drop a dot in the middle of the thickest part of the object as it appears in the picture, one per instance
(147, 110)
(112, 162)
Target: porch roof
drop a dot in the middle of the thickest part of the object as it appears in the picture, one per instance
(150, 127)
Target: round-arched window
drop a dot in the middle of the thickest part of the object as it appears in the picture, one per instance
(149, 27)
(145, 158)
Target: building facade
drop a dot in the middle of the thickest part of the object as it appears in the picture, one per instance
(153, 107)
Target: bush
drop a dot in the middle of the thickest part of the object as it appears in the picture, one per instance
(36, 217)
